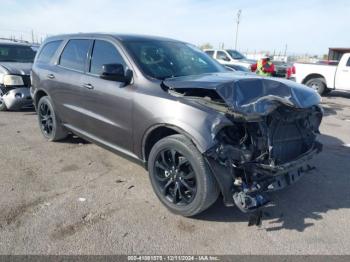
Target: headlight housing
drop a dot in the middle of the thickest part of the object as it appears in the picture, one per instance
(13, 80)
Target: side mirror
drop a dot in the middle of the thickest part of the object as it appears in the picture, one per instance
(116, 72)
(226, 59)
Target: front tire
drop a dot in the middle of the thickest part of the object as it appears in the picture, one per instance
(318, 85)
(2, 103)
(181, 177)
(49, 123)
(2, 106)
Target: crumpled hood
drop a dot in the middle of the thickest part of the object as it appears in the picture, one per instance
(17, 68)
(247, 94)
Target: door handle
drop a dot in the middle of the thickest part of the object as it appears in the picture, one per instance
(50, 76)
(88, 86)
(345, 70)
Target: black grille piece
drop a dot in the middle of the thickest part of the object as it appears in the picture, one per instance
(26, 80)
(287, 142)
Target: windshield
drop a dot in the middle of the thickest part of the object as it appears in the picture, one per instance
(16, 53)
(235, 54)
(166, 59)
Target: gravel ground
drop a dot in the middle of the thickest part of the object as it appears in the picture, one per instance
(74, 197)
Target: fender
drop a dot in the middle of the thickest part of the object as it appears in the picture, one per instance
(203, 138)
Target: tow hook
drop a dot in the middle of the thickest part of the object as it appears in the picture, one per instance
(251, 203)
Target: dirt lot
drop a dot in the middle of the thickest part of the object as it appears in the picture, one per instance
(76, 198)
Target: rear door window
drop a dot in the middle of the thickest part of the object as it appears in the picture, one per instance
(104, 53)
(210, 53)
(74, 55)
(48, 51)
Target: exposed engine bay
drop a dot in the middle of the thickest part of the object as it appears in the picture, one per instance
(265, 156)
(271, 139)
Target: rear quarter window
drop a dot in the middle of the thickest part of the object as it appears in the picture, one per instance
(48, 52)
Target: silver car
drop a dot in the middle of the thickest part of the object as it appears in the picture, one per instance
(16, 60)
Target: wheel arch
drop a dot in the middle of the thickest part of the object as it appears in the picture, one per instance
(160, 131)
(312, 76)
(38, 94)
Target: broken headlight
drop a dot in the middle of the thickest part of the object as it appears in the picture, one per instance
(13, 80)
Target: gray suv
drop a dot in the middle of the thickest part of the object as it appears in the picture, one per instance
(198, 129)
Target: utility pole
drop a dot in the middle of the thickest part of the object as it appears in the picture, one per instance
(32, 36)
(285, 50)
(238, 20)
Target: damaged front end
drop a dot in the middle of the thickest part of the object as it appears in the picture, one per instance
(251, 158)
(271, 139)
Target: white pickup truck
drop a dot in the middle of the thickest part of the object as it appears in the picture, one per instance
(230, 58)
(324, 77)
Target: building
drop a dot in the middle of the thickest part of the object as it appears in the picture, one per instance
(335, 53)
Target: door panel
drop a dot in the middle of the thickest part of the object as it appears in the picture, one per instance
(105, 104)
(107, 109)
(342, 78)
(66, 93)
(66, 81)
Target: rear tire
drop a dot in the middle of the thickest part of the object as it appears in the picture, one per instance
(49, 123)
(181, 177)
(318, 84)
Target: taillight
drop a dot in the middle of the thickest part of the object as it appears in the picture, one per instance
(253, 67)
(293, 70)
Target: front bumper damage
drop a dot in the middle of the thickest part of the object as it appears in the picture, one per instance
(251, 159)
(266, 178)
(17, 98)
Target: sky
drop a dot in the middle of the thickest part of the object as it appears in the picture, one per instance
(305, 26)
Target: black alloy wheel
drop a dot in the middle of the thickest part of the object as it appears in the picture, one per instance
(181, 177)
(45, 116)
(49, 123)
(175, 177)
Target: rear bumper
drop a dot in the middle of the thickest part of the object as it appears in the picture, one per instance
(18, 98)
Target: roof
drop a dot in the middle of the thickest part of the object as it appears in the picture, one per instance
(120, 37)
(14, 42)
